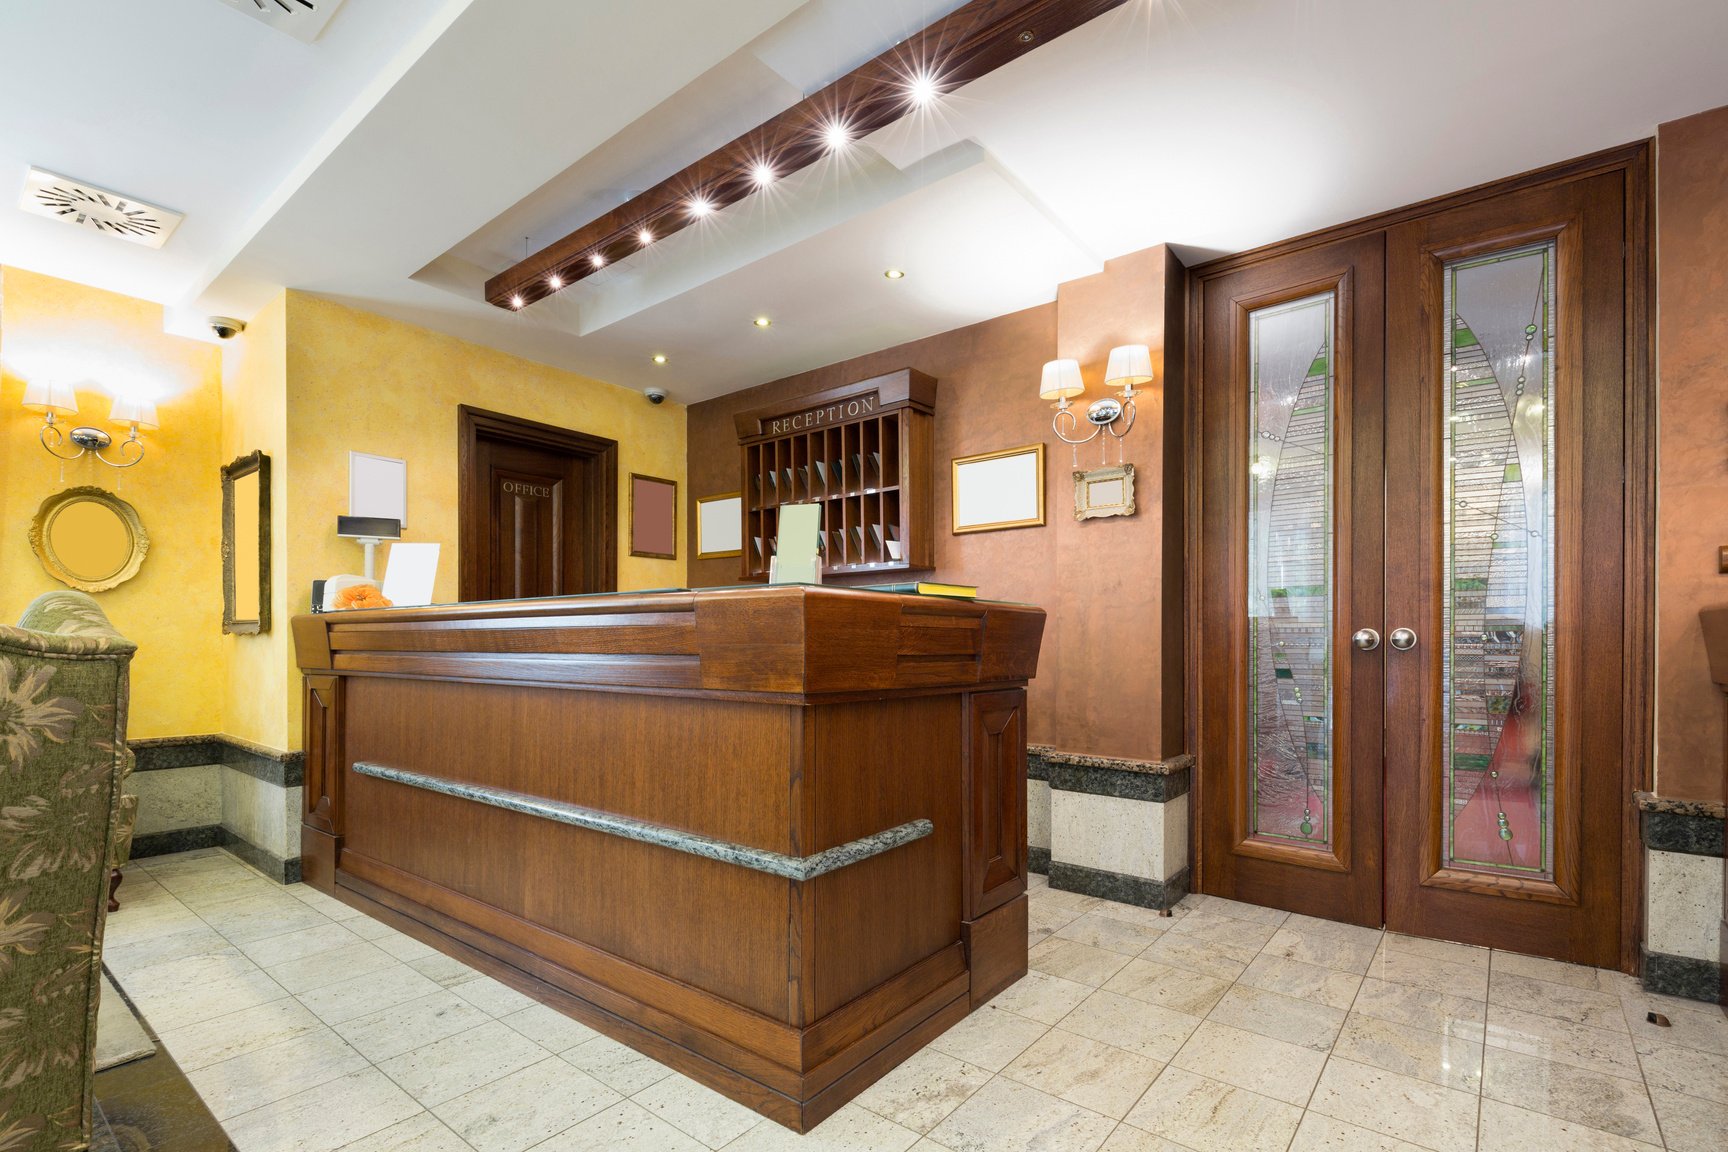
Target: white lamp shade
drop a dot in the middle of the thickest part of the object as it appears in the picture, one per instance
(1061, 380)
(46, 396)
(139, 412)
(1130, 364)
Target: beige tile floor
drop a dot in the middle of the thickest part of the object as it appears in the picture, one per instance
(307, 1025)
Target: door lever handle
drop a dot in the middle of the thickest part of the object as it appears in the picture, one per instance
(1402, 639)
(1366, 639)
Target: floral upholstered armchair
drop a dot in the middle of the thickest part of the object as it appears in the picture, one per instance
(63, 685)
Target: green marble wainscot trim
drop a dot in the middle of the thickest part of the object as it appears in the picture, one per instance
(1694, 827)
(280, 870)
(215, 836)
(798, 868)
(283, 769)
(1037, 767)
(1137, 890)
(1038, 860)
(1683, 976)
(1155, 781)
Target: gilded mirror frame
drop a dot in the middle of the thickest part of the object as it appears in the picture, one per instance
(246, 466)
(42, 540)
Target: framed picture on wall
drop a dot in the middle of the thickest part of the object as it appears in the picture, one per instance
(719, 526)
(996, 490)
(653, 517)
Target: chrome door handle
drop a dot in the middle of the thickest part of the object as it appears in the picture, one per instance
(1366, 639)
(1402, 639)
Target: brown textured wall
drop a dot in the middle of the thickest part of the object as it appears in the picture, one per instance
(1692, 485)
(1109, 678)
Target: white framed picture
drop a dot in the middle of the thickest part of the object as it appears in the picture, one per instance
(719, 526)
(1104, 492)
(996, 490)
(377, 486)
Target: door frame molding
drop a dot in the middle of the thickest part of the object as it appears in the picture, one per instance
(1636, 163)
(599, 459)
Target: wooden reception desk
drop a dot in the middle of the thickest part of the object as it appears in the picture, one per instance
(772, 837)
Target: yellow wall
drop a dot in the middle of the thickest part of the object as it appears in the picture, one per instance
(107, 343)
(260, 669)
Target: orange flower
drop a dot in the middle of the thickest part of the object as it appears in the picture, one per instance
(361, 596)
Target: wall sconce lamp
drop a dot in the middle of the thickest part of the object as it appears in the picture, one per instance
(1130, 364)
(55, 400)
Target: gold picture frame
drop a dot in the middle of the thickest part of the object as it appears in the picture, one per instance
(711, 513)
(1104, 492)
(246, 501)
(993, 491)
(89, 539)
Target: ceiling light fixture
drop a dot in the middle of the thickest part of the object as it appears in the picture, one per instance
(701, 206)
(659, 357)
(762, 175)
(895, 274)
(516, 300)
(836, 135)
(762, 322)
(922, 91)
(597, 260)
(646, 236)
(555, 281)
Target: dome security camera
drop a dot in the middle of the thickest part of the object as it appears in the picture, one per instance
(655, 395)
(226, 327)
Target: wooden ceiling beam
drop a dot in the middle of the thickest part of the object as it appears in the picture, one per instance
(972, 41)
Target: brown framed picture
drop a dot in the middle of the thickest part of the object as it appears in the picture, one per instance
(653, 517)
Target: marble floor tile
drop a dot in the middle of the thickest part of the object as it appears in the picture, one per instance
(1421, 971)
(225, 1037)
(130, 927)
(1178, 989)
(360, 924)
(457, 1064)
(518, 1111)
(549, 1028)
(125, 956)
(1554, 971)
(1551, 1038)
(421, 1133)
(1280, 1017)
(244, 921)
(1035, 881)
(1236, 909)
(1691, 1124)
(1240, 938)
(169, 1008)
(1450, 1058)
(1684, 1070)
(1319, 1133)
(290, 946)
(851, 1129)
(1428, 1114)
(1041, 997)
(1006, 1116)
(1044, 922)
(492, 997)
(350, 999)
(323, 1118)
(446, 971)
(404, 947)
(1102, 931)
(1600, 1101)
(1545, 998)
(989, 1038)
(1127, 1138)
(1072, 960)
(338, 964)
(1346, 953)
(1198, 954)
(624, 1070)
(1283, 1071)
(266, 1075)
(325, 903)
(1152, 919)
(1419, 1007)
(697, 1111)
(921, 1092)
(624, 1127)
(1074, 902)
(1212, 1116)
(1084, 1071)
(1505, 1128)
(1706, 1031)
(1328, 986)
(413, 1024)
(1467, 955)
(1132, 1025)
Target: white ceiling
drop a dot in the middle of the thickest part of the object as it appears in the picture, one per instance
(419, 147)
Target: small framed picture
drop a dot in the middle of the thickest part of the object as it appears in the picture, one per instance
(653, 517)
(719, 526)
(996, 490)
(1104, 492)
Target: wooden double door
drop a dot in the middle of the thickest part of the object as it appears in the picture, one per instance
(1417, 562)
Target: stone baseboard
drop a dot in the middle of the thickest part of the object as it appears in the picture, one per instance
(1683, 976)
(1038, 860)
(215, 836)
(1137, 890)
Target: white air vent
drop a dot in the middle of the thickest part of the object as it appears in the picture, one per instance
(76, 202)
(301, 19)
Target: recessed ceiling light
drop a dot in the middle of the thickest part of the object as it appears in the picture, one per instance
(762, 174)
(516, 300)
(894, 274)
(761, 321)
(922, 90)
(659, 357)
(836, 135)
(597, 260)
(645, 236)
(700, 207)
(554, 281)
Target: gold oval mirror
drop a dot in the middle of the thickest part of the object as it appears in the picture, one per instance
(89, 539)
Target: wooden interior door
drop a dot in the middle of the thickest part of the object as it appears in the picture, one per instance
(537, 509)
(1290, 565)
(1507, 569)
